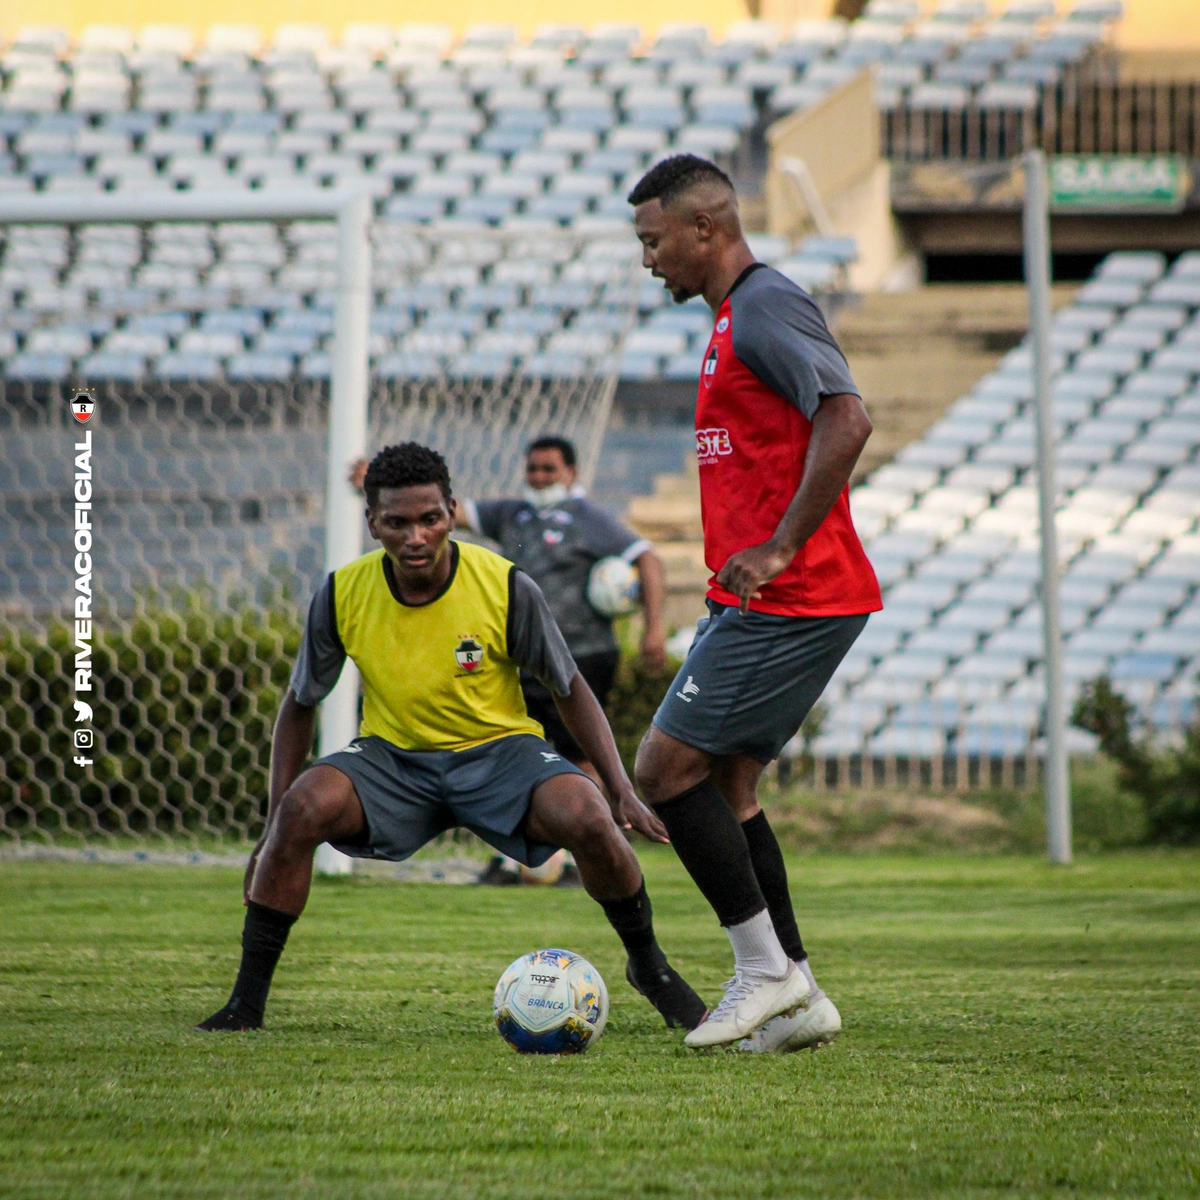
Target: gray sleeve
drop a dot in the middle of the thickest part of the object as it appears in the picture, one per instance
(490, 515)
(780, 334)
(321, 657)
(605, 537)
(534, 641)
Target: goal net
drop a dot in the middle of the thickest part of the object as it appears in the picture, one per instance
(207, 492)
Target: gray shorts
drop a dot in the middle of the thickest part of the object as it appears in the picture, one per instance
(410, 796)
(748, 681)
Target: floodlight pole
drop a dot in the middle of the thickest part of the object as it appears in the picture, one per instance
(348, 399)
(1037, 280)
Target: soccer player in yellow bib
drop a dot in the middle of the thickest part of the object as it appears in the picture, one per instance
(440, 631)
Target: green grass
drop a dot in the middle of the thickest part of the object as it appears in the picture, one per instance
(1012, 1029)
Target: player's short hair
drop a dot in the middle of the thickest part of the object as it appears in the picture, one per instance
(551, 442)
(671, 178)
(408, 464)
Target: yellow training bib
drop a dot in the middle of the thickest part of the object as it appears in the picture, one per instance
(437, 676)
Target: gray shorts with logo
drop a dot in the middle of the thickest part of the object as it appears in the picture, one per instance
(410, 796)
(749, 681)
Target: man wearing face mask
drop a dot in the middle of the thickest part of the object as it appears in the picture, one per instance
(555, 535)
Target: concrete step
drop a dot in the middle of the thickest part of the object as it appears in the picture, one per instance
(687, 580)
(666, 518)
(633, 456)
(914, 353)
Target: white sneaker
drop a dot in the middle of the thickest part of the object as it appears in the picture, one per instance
(749, 1001)
(817, 1026)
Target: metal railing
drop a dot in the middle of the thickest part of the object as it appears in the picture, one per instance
(1076, 117)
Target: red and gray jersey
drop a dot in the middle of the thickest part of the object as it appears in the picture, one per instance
(770, 361)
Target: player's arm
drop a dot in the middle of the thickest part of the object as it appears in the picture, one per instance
(840, 428)
(605, 536)
(654, 599)
(291, 744)
(587, 724)
(317, 669)
(536, 644)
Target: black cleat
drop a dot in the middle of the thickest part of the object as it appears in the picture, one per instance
(231, 1019)
(671, 994)
(496, 875)
(570, 876)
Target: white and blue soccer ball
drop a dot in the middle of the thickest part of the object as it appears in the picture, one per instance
(614, 587)
(551, 1002)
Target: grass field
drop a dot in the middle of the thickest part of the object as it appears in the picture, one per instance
(1012, 1029)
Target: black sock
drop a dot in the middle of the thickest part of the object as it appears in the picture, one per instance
(711, 845)
(633, 919)
(772, 878)
(263, 938)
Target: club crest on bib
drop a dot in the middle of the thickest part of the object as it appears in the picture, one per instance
(82, 407)
(710, 366)
(722, 324)
(469, 655)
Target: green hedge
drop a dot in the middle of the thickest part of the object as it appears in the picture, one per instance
(183, 705)
(633, 701)
(1166, 782)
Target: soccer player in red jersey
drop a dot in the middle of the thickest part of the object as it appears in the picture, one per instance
(779, 428)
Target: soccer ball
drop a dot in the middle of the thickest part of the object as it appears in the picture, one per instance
(551, 1002)
(613, 587)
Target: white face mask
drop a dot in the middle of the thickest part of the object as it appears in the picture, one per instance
(546, 497)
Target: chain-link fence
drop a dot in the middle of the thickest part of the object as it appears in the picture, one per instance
(207, 525)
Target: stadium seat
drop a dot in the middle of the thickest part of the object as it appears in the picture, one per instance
(944, 642)
(434, 133)
(38, 366)
(415, 208)
(188, 365)
(260, 365)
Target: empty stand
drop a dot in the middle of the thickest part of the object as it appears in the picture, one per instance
(952, 529)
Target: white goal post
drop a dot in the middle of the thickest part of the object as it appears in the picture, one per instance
(321, 346)
(352, 210)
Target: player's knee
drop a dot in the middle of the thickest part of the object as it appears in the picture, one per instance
(302, 816)
(650, 770)
(593, 831)
(666, 767)
(644, 774)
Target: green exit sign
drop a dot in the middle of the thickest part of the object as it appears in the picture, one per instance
(1099, 183)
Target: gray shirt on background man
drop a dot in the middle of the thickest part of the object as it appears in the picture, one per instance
(558, 545)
